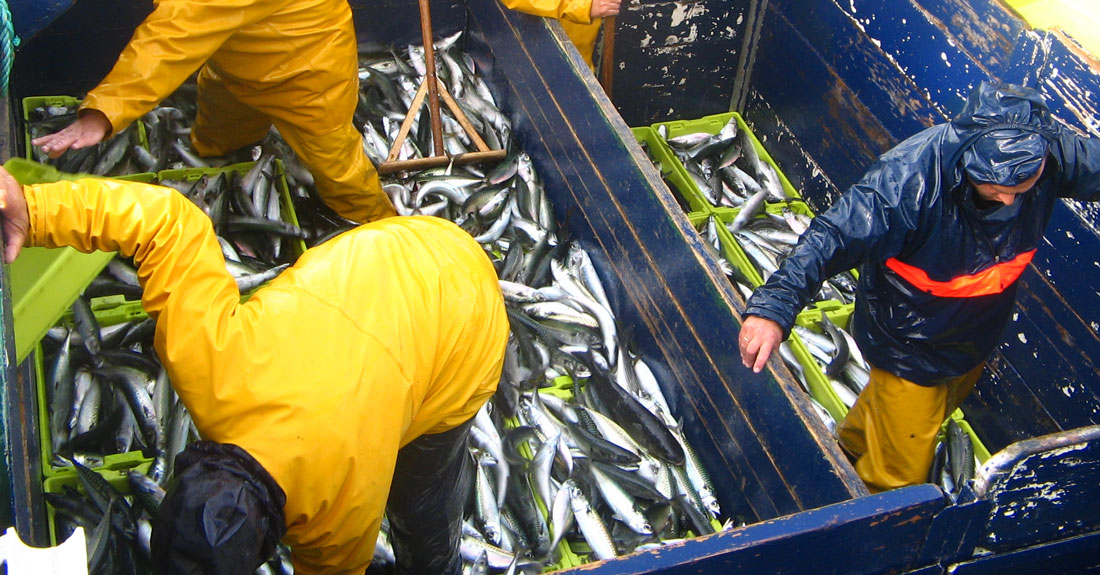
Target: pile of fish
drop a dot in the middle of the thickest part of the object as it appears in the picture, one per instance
(955, 463)
(577, 457)
(837, 357)
(725, 167)
(107, 393)
(578, 453)
(113, 157)
(247, 213)
(729, 172)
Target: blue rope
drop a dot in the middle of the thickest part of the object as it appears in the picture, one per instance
(8, 42)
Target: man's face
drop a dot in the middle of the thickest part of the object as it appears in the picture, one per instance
(1007, 194)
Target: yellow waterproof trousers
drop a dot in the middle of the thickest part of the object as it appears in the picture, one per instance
(891, 430)
(333, 152)
(293, 63)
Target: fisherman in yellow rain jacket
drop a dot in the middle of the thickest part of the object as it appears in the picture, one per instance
(580, 19)
(291, 63)
(349, 379)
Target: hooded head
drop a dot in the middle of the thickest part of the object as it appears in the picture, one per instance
(1006, 157)
(222, 514)
(1012, 122)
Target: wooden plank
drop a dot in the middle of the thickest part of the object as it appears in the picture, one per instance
(1003, 409)
(888, 54)
(1042, 490)
(658, 42)
(983, 29)
(791, 154)
(827, 117)
(1071, 556)
(870, 535)
(955, 532)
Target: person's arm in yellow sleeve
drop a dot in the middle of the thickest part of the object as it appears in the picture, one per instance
(180, 265)
(170, 45)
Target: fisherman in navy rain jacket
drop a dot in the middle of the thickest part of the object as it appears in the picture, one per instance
(941, 226)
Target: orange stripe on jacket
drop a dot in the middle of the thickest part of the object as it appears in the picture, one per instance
(989, 281)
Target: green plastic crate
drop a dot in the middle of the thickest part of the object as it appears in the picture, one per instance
(734, 252)
(286, 203)
(980, 450)
(45, 282)
(712, 125)
(114, 472)
(818, 382)
(672, 171)
(727, 246)
(29, 104)
(107, 315)
(727, 216)
(32, 102)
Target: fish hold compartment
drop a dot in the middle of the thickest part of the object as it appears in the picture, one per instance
(766, 455)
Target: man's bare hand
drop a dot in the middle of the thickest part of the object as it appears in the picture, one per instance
(759, 338)
(604, 8)
(16, 220)
(89, 129)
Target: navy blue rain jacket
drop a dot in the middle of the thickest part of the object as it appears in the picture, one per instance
(915, 206)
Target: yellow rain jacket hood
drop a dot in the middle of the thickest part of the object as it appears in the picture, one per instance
(575, 17)
(386, 332)
(291, 62)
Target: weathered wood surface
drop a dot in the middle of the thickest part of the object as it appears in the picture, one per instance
(1072, 556)
(659, 40)
(1042, 489)
(871, 535)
